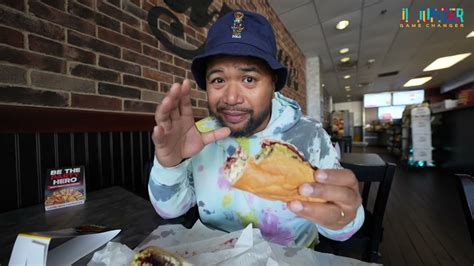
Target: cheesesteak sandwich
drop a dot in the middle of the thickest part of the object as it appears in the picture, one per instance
(275, 173)
(155, 256)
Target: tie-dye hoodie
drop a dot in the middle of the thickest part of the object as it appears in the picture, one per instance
(200, 180)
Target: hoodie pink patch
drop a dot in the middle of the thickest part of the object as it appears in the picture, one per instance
(250, 198)
(272, 231)
(222, 182)
(200, 168)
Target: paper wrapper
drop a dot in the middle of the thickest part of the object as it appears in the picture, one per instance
(203, 246)
(112, 254)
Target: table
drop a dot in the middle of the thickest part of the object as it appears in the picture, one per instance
(114, 207)
(363, 159)
(465, 186)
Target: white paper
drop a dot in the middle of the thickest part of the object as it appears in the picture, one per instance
(203, 246)
(29, 250)
(112, 254)
(78, 247)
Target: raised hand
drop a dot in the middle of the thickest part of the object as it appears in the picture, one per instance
(175, 135)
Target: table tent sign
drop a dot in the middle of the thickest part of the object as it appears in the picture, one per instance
(64, 187)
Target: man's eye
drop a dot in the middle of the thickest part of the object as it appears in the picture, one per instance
(217, 80)
(249, 79)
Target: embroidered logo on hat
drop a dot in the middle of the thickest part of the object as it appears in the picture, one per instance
(238, 26)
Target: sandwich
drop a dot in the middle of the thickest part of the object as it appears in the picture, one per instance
(275, 173)
(153, 256)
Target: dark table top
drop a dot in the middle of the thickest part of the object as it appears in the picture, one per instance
(364, 159)
(114, 207)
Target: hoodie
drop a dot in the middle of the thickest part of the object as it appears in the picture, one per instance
(200, 180)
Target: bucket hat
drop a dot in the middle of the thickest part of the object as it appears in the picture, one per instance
(240, 33)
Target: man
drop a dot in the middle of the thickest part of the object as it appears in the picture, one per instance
(242, 77)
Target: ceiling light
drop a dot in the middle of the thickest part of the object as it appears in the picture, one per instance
(470, 35)
(342, 24)
(348, 95)
(323, 85)
(347, 88)
(445, 62)
(344, 50)
(371, 61)
(345, 59)
(417, 81)
(347, 76)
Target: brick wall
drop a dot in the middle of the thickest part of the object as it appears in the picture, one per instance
(101, 55)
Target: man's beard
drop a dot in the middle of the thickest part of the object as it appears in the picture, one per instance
(252, 124)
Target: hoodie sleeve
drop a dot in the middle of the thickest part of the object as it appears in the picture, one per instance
(329, 161)
(170, 189)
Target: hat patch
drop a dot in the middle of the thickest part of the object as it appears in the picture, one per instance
(238, 25)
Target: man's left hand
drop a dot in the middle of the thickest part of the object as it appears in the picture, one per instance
(341, 190)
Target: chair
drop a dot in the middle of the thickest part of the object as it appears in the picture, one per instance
(465, 184)
(345, 143)
(368, 168)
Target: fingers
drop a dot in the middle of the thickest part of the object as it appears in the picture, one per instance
(157, 135)
(326, 214)
(168, 110)
(341, 190)
(185, 107)
(337, 177)
(343, 196)
(215, 135)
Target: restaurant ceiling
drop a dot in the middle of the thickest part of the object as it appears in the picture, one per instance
(374, 33)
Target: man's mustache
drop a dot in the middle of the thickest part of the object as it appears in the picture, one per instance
(223, 108)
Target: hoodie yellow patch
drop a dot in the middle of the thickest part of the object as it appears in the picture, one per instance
(244, 143)
(226, 200)
(247, 219)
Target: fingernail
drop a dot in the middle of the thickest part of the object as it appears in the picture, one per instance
(306, 190)
(296, 206)
(322, 176)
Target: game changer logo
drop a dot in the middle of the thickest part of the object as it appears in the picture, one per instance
(430, 17)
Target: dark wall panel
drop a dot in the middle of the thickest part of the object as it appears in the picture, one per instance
(28, 174)
(109, 158)
(65, 149)
(8, 178)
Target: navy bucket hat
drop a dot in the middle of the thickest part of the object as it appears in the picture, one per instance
(240, 33)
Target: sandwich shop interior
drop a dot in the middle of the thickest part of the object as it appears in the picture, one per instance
(80, 82)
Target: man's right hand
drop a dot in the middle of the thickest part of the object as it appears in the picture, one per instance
(175, 135)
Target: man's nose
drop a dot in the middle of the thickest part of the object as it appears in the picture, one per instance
(233, 94)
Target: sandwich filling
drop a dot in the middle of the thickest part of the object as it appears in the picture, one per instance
(153, 256)
(275, 173)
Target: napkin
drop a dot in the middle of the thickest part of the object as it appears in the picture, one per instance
(112, 254)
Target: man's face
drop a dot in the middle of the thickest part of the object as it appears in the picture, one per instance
(239, 92)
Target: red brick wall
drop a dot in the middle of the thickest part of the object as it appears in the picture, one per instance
(101, 55)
